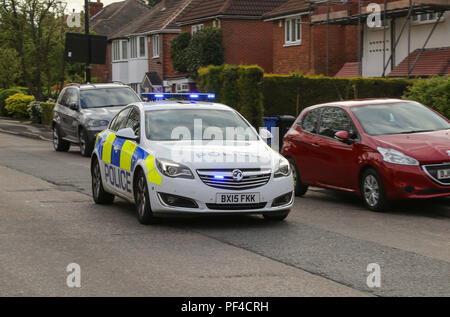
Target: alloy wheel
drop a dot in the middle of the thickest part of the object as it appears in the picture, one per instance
(371, 190)
(82, 142)
(96, 180)
(55, 138)
(141, 200)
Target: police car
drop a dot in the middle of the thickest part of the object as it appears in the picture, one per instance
(189, 157)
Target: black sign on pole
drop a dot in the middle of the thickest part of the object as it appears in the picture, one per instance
(77, 48)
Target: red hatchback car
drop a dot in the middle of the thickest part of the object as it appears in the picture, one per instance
(381, 149)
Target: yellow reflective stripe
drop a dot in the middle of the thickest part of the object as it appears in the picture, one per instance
(150, 163)
(107, 147)
(126, 155)
(154, 177)
(98, 135)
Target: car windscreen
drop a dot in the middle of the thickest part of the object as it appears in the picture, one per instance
(190, 124)
(107, 97)
(398, 118)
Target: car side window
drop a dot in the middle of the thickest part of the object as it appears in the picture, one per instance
(335, 119)
(62, 98)
(309, 121)
(71, 96)
(134, 121)
(120, 120)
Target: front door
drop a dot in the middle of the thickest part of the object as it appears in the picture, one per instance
(338, 160)
(111, 151)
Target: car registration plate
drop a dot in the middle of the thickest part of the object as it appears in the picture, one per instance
(443, 174)
(231, 199)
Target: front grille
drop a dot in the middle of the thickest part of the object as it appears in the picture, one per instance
(236, 207)
(432, 170)
(223, 179)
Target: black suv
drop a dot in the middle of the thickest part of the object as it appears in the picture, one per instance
(82, 111)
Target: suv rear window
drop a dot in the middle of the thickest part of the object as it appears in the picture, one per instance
(107, 97)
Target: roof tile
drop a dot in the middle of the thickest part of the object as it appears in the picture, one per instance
(210, 8)
(432, 62)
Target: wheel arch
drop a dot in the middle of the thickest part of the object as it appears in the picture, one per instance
(362, 170)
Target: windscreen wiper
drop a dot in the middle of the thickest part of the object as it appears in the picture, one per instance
(416, 131)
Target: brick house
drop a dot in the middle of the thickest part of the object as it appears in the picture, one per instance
(299, 46)
(352, 55)
(140, 50)
(414, 39)
(247, 39)
(106, 21)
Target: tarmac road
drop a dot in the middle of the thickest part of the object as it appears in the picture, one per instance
(48, 220)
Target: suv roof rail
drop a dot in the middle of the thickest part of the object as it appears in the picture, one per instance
(74, 84)
(119, 82)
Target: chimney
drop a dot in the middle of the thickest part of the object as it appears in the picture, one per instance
(95, 7)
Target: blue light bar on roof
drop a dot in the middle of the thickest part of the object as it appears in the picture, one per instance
(165, 96)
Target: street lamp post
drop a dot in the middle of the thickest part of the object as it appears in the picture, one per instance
(86, 31)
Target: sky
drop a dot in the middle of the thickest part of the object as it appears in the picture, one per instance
(79, 4)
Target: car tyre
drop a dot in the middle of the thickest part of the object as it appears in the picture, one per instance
(144, 212)
(101, 197)
(275, 217)
(86, 146)
(59, 144)
(372, 191)
(300, 188)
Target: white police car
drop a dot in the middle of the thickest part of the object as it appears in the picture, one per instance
(185, 156)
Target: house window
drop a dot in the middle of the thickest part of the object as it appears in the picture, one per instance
(155, 46)
(116, 50)
(293, 32)
(182, 88)
(425, 17)
(133, 47)
(196, 28)
(120, 50)
(142, 46)
(124, 49)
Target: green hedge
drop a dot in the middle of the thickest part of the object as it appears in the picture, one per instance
(290, 94)
(237, 86)
(17, 105)
(433, 92)
(250, 102)
(5, 93)
(47, 112)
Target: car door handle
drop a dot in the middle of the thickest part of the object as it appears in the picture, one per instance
(315, 144)
(116, 149)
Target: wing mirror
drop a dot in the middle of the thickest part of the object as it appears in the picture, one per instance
(265, 134)
(343, 136)
(73, 106)
(127, 134)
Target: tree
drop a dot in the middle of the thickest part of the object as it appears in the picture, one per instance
(204, 48)
(178, 51)
(10, 71)
(34, 29)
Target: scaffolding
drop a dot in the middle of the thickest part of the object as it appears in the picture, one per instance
(415, 7)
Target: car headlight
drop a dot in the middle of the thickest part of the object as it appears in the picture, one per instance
(173, 169)
(396, 157)
(283, 169)
(97, 123)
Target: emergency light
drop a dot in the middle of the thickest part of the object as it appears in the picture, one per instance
(165, 96)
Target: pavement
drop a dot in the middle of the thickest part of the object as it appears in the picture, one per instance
(25, 128)
(323, 249)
